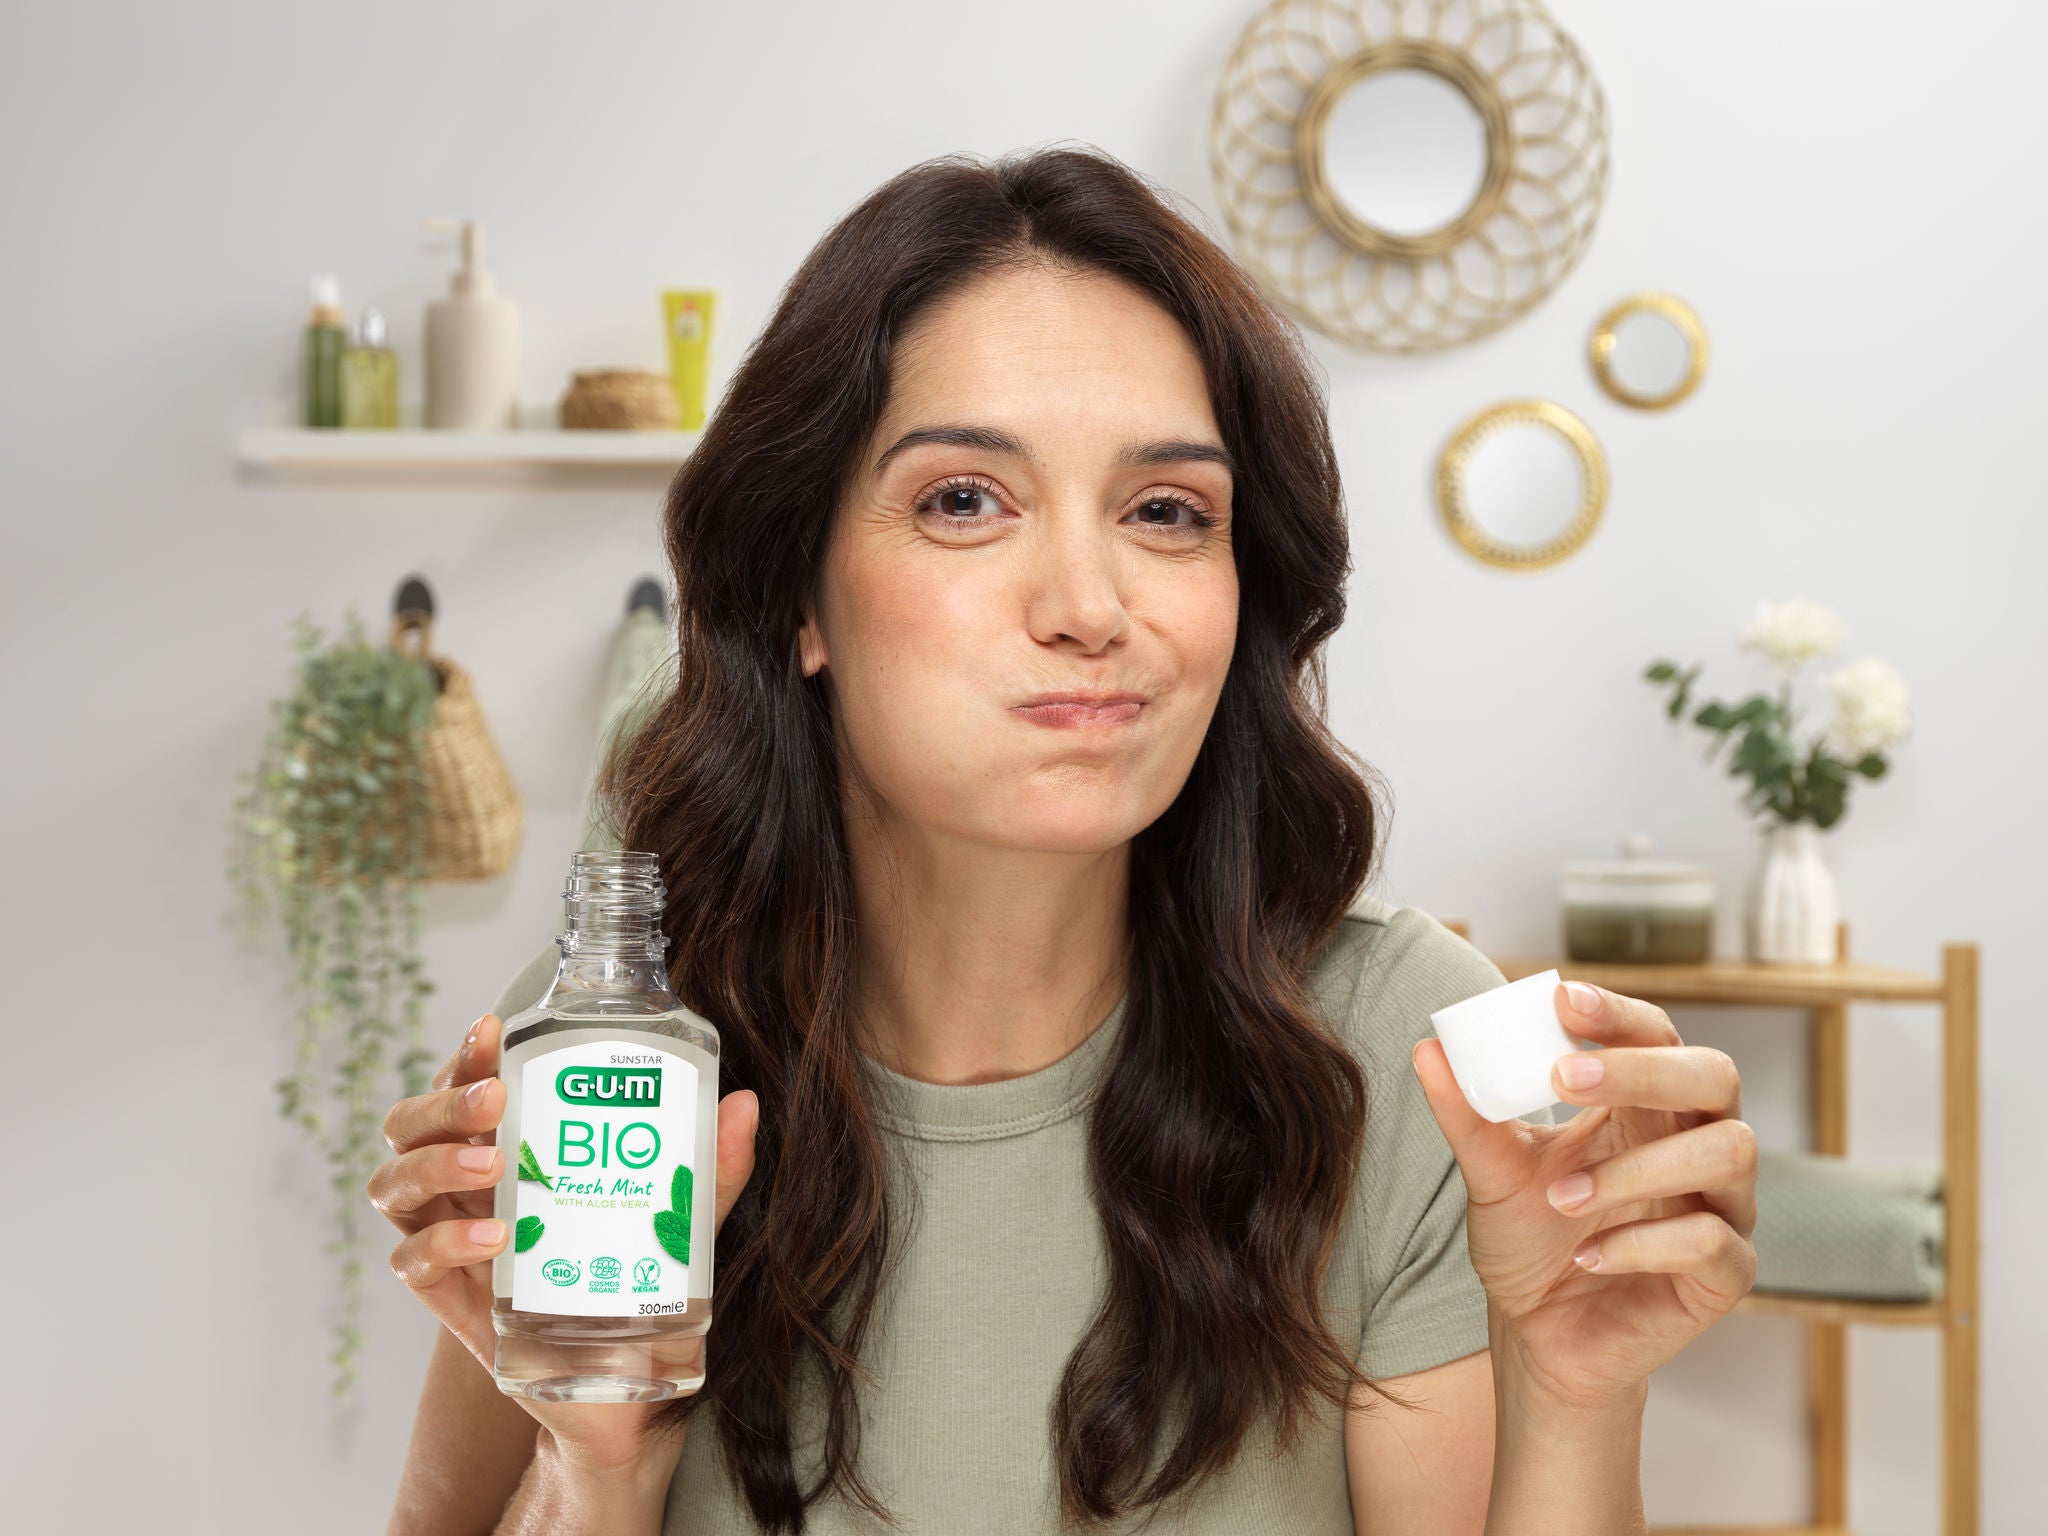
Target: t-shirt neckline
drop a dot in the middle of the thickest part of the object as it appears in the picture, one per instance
(1012, 1106)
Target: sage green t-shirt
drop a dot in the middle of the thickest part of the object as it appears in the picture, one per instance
(1001, 1266)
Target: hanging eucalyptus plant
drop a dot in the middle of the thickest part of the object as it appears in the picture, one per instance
(330, 833)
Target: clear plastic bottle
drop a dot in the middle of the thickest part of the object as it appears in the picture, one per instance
(369, 375)
(610, 1137)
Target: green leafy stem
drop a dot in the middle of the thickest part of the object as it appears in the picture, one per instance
(1788, 783)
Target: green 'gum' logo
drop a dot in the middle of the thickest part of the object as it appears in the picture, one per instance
(638, 1087)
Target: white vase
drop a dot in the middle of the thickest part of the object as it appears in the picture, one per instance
(1792, 903)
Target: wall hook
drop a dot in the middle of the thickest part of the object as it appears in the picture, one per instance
(414, 596)
(647, 594)
(412, 616)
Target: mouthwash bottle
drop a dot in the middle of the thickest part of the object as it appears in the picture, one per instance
(610, 1141)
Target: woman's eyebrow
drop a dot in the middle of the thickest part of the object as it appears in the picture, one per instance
(1166, 450)
(1175, 450)
(992, 439)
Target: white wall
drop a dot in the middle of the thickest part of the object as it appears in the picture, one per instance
(1844, 191)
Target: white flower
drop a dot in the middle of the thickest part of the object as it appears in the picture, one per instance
(1871, 708)
(1791, 634)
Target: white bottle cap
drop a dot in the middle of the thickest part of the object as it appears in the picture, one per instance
(1502, 1043)
(327, 291)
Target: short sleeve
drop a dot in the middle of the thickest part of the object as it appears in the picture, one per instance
(1432, 1308)
(1424, 1305)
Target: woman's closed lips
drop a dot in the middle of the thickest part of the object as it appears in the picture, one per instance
(1081, 708)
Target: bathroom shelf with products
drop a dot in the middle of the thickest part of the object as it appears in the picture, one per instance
(538, 440)
(350, 417)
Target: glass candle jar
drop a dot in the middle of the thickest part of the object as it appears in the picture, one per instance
(1637, 909)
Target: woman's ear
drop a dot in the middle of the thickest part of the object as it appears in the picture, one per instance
(810, 644)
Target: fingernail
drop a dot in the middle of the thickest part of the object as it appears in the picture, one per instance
(473, 1095)
(1571, 1190)
(486, 1234)
(476, 1159)
(470, 1039)
(1587, 1254)
(1581, 1071)
(1583, 999)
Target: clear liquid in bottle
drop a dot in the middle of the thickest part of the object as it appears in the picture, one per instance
(610, 1138)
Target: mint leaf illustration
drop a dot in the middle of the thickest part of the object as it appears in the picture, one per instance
(529, 1167)
(674, 1232)
(673, 1227)
(530, 1229)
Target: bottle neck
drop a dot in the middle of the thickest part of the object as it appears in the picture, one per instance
(610, 970)
(605, 949)
(613, 940)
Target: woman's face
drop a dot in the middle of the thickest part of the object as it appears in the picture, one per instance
(1044, 510)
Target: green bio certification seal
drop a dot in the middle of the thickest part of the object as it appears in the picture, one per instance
(604, 1187)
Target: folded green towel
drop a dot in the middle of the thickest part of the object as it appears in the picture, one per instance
(641, 673)
(1826, 1226)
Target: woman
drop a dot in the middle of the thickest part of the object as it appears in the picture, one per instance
(1090, 1156)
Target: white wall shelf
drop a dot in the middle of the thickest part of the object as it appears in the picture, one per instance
(286, 447)
(537, 441)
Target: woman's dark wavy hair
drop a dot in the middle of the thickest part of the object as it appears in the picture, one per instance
(1226, 1135)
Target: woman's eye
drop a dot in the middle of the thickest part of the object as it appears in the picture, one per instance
(1170, 511)
(963, 501)
(972, 503)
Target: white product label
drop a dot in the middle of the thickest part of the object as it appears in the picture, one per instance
(607, 1133)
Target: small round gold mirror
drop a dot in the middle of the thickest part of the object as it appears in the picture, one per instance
(1522, 484)
(1650, 350)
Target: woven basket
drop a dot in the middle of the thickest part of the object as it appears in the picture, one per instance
(620, 398)
(474, 817)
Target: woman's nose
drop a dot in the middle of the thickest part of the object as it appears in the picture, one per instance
(1074, 583)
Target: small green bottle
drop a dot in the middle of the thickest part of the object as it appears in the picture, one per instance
(325, 339)
(369, 376)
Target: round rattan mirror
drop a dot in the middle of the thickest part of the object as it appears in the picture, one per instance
(1408, 175)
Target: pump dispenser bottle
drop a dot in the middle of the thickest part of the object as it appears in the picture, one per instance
(610, 1138)
(472, 345)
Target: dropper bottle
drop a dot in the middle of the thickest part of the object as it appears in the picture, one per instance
(610, 1138)
(326, 337)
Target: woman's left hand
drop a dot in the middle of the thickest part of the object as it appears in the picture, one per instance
(1597, 1293)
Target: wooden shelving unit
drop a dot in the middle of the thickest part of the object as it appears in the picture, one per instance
(1825, 994)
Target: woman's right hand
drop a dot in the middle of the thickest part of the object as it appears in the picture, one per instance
(439, 1191)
